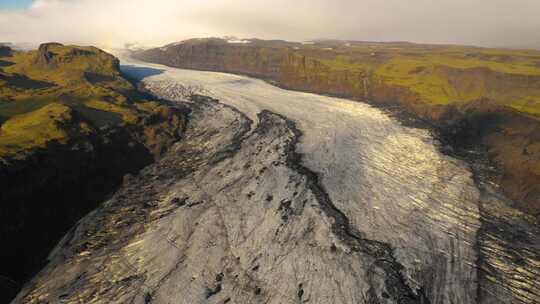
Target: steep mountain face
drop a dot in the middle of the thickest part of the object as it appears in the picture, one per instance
(476, 97)
(71, 127)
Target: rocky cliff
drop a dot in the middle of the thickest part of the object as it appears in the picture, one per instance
(5, 50)
(71, 128)
(478, 99)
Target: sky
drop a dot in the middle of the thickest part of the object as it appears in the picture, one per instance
(112, 23)
(14, 3)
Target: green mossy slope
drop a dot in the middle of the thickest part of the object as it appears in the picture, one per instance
(59, 93)
(71, 128)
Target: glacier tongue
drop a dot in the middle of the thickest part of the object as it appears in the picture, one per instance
(461, 243)
(389, 180)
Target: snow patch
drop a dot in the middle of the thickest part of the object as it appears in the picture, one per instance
(238, 41)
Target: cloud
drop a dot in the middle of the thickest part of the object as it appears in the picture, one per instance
(156, 22)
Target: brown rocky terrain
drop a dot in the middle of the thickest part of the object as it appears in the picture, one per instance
(477, 99)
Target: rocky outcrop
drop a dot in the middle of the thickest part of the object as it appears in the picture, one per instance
(162, 128)
(5, 51)
(509, 138)
(91, 60)
(45, 55)
(49, 189)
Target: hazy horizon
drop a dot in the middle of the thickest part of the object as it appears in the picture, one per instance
(114, 23)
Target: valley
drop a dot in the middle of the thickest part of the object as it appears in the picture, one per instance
(478, 98)
(269, 152)
(275, 196)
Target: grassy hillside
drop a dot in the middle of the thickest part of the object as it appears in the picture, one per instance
(71, 128)
(58, 93)
(429, 74)
(477, 97)
(434, 72)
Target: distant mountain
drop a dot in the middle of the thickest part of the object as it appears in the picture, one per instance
(477, 97)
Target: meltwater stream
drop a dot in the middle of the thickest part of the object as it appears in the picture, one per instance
(458, 243)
